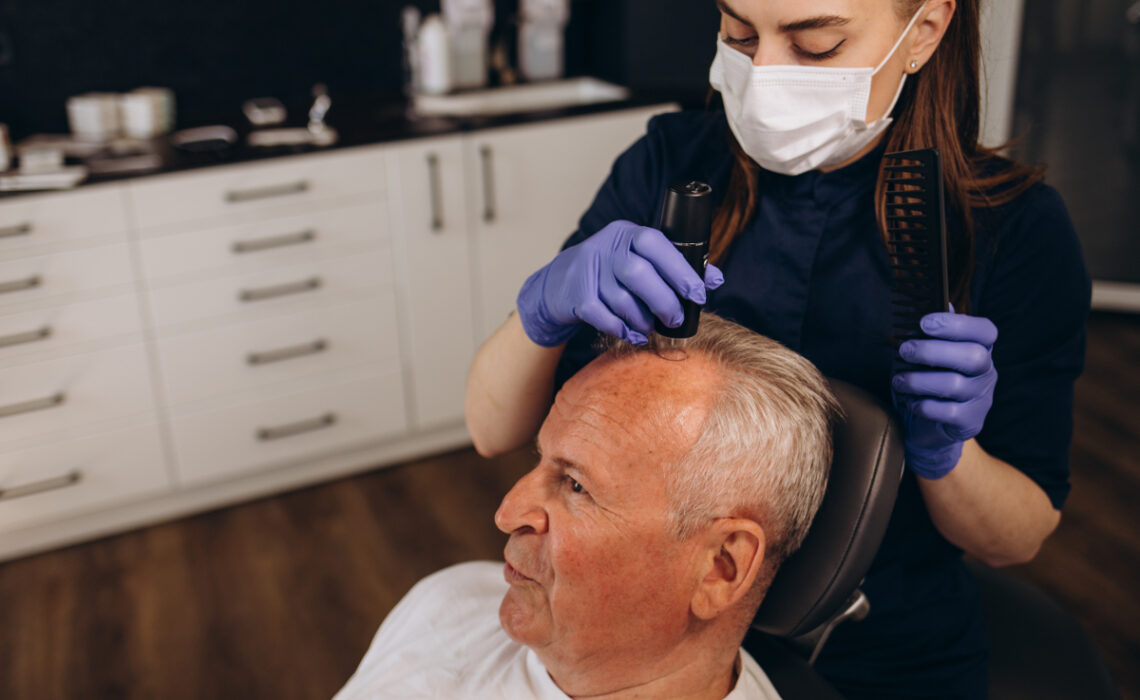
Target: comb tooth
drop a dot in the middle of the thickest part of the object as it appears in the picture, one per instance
(904, 244)
(904, 200)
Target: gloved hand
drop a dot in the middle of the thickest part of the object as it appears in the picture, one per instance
(616, 280)
(944, 398)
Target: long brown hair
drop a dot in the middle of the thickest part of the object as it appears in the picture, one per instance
(940, 108)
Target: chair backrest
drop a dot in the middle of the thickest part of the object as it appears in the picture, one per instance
(815, 582)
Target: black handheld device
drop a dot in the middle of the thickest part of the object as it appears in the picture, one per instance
(686, 220)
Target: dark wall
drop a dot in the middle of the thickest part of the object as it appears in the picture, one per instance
(217, 53)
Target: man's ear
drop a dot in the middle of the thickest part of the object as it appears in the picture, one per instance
(730, 560)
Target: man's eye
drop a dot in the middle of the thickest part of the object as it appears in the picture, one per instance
(575, 486)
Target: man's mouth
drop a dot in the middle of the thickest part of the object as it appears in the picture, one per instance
(513, 575)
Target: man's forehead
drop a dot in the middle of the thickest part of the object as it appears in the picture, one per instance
(641, 402)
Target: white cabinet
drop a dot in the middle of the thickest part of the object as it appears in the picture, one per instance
(288, 429)
(529, 186)
(265, 325)
(78, 423)
(45, 222)
(433, 256)
(61, 478)
(255, 190)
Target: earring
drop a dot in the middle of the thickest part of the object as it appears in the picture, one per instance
(914, 65)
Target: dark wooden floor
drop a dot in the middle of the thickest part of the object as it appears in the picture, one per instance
(279, 598)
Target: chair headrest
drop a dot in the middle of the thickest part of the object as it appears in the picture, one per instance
(816, 580)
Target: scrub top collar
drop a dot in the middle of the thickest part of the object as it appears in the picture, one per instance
(830, 188)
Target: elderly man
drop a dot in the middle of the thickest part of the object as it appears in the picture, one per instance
(669, 488)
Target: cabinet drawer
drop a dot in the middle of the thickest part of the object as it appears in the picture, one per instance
(57, 328)
(240, 190)
(43, 221)
(293, 428)
(245, 356)
(249, 296)
(51, 396)
(61, 479)
(266, 244)
(30, 280)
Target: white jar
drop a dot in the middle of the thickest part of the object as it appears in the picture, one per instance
(162, 102)
(94, 116)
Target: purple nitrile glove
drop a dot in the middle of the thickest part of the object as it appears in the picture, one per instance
(616, 280)
(944, 398)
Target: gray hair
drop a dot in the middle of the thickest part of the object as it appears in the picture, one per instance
(764, 450)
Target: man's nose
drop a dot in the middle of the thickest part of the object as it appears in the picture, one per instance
(522, 507)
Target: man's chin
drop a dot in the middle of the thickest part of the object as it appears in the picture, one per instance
(521, 616)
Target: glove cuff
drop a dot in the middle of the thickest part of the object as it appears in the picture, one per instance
(934, 464)
(531, 313)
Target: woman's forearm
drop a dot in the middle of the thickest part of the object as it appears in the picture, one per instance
(990, 509)
(509, 389)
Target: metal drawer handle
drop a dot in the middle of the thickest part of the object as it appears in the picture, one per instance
(29, 337)
(260, 244)
(238, 196)
(305, 426)
(29, 406)
(265, 358)
(489, 209)
(435, 185)
(59, 482)
(281, 290)
(17, 230)
(20, 285)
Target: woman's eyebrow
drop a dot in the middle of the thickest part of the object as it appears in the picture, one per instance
(821, 22)
(723, 7)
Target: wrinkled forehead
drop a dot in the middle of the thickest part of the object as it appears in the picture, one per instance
(640, 406)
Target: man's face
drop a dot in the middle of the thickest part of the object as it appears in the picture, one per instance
(593, 567)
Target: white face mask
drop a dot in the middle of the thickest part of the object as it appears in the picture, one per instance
(792, 119)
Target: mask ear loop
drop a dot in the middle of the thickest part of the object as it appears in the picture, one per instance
(909, 26)
(902, 83)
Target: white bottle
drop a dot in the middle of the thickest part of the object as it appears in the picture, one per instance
(541, 41)
(469, 24)
(434, 56)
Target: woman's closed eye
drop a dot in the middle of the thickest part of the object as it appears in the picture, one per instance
(740, 41)
(821, 55)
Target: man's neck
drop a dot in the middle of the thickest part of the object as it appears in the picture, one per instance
(691, 672)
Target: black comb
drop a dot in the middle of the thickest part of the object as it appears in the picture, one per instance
(916, 240)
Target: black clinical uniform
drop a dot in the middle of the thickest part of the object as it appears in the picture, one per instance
(811, 271)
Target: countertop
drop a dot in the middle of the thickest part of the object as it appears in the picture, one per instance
(358, 124)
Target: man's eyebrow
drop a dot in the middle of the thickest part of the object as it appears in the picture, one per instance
(565, 464)
(821, 22)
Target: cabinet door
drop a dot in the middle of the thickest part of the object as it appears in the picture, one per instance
(528, 187)
(430, 241)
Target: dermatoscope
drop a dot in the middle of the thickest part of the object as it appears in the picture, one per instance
(686, 220)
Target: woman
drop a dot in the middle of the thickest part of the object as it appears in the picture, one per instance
(814, 93)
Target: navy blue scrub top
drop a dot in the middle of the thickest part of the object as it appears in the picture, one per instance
(811, 271)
